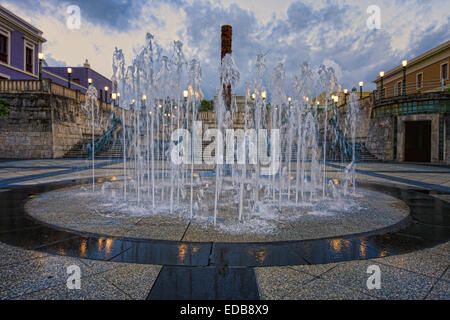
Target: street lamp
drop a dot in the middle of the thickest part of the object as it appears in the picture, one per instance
(381, 84)
(69, 74)
(114, 97)
(253, 96)
(144, 97)
(106, 94)
(404, 63)
(40, 57)
(264, 95)
(89, 81)
(185, 95)
(360, 89)
(345, 96)
(118, 98)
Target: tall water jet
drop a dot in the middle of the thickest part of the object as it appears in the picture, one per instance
(194, 95)
(91, 107)
(155, 104)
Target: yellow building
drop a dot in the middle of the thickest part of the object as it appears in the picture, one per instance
(428, 72)
(410, 115)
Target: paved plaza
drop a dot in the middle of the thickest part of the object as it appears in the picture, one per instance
(42, 274)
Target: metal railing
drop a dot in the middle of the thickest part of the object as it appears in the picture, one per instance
(396, 89)
(210, 116)
(105, 139)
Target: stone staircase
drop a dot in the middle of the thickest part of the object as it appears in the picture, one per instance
(114, 151)
(365, 155)
(77, 151)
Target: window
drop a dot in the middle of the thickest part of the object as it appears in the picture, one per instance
(29, 60)
(28, 56)
(444, 71)
(419, 80)
(4, 50)
(398, 88)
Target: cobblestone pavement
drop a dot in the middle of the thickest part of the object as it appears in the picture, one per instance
(27, 274)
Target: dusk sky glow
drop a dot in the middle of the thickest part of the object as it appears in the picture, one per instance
(289, 31)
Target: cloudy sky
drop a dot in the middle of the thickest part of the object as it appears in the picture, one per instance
(289, 31)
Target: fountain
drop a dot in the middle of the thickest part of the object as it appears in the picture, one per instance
(257, 179)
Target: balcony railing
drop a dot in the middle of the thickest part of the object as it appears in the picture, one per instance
(44, 86)
(210, 116)
(397, 89)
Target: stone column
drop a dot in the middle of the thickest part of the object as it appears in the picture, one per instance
(227, 35)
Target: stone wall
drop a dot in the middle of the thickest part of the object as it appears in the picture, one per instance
(71, 124)
(379, 141)
(43, 125)
(27, 131)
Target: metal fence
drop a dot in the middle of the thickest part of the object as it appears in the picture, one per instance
(398, 89)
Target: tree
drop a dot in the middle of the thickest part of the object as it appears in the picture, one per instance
(4, 107)
(205, 105)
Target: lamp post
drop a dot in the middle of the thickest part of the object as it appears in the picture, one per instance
(114, 97)
(106, 94)
(361, 89)
(118, 99)
(404, 63)
(185, 96)
(69, 74)
(345, 96)
(381, 85)
(40, 57)
(89, 81)
(264, 95)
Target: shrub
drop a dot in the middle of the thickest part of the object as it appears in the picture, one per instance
(4, 107)
(205, 105)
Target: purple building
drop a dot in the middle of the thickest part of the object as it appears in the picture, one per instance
(20, 44)
(79, 79)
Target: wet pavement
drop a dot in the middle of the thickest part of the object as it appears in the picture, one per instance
(427, 226)
(414, 256)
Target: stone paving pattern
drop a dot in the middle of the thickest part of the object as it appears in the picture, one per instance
(424, 274)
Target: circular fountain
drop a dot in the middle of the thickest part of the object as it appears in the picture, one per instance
(264, 180)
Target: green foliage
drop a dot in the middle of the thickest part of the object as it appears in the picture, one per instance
(205, 105)
(4, 107)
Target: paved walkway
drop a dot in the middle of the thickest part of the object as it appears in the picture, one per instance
(27, 274)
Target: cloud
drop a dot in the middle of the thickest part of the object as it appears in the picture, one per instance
(290, 31)
(51, 61)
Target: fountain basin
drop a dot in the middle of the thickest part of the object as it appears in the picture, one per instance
(77, 208)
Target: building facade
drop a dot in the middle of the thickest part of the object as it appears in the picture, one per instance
(79, 79)
(429, 72)
(411, 122)
(20, 44)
